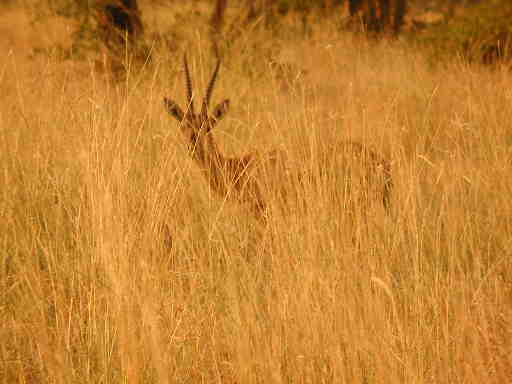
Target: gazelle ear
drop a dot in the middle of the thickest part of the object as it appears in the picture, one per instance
(174, 109)
(220, 110)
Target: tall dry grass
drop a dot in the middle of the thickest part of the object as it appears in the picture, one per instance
(118, 264)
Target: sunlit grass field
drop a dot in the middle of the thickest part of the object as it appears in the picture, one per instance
(118, 263)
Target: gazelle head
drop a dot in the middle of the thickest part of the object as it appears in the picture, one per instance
(196, 127)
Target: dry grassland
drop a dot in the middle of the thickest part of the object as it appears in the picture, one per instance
(119, 264)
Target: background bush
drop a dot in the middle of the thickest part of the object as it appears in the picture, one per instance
(480, 33)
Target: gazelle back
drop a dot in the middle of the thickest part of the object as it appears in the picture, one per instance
(253, 178)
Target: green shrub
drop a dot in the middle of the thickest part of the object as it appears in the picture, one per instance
(481, 33)
(84, 37)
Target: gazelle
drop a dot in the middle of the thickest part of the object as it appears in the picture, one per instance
(250, 178)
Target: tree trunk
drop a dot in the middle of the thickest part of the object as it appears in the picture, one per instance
(216, 23)
(400, 9)
(380, 15)
(385, 15)
(354, 6)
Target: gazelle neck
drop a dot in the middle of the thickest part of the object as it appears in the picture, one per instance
(222, 173)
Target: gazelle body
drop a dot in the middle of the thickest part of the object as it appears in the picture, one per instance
(253, 178)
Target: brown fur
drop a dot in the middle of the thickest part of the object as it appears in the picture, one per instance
(250, 178)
